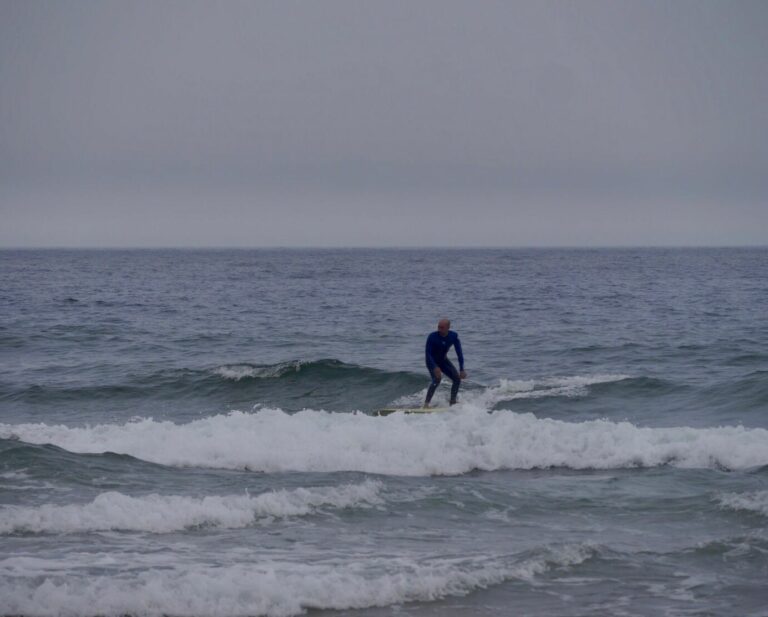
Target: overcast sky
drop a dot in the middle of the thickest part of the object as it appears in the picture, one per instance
(420, 123)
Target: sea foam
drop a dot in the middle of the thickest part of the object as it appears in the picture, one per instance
(236, 372)
(166, 513)
(514, 389)
(268, 588)
(756, 501)
(447, 443)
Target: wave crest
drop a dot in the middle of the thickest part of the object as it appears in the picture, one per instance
(756, 501)
(450, 443)
(167, 513)
(237, 372)
(273, 588)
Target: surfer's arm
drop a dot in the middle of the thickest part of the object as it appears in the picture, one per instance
(428, 356)
(459, 354)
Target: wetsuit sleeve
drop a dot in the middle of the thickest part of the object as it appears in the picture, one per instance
(459, 354)
(428, 355)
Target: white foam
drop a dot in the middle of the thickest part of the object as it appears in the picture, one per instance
(236, 372)
(269, 588)
(22, 481)
(166, 513)
(756, 501)
(552, 386)
(14, 475)
(452, 442)
(512, 389)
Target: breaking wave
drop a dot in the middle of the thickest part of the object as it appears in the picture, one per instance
(166, 513)
(269, 588)
(449, 443)
(756, 501)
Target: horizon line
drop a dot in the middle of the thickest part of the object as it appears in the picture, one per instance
(383, 247)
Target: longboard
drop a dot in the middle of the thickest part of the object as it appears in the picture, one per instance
(389, 410)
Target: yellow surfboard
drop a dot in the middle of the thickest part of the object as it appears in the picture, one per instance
(390, 410)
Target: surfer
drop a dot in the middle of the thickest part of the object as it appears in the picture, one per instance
(438, 344)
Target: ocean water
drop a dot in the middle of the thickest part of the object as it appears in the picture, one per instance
(191, 433)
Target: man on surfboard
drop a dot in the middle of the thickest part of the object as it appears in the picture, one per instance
(438, 344)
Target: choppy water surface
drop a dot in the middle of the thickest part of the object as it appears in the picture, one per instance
(191, 433)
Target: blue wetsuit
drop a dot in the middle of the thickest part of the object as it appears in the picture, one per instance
(436, 355)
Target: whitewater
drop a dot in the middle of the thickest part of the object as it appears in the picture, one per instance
(450, 443)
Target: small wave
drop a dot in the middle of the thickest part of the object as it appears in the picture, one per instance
(269, 588)
(560, 386)
(327, 367)
(162, 384)
(744, 548)
(167, 513)
(509, 389)
(236, 372)
(517, 389)
(451, 443)
(325, 383)
(749, 392)
(290, 385)
(43, 462)
(756, 501)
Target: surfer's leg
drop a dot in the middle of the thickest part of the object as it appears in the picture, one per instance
(432, 387)
(451, 371)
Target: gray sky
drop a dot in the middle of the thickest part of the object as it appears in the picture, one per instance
(434, 123)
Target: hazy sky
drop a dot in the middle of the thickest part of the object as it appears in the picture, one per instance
(327, 123)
